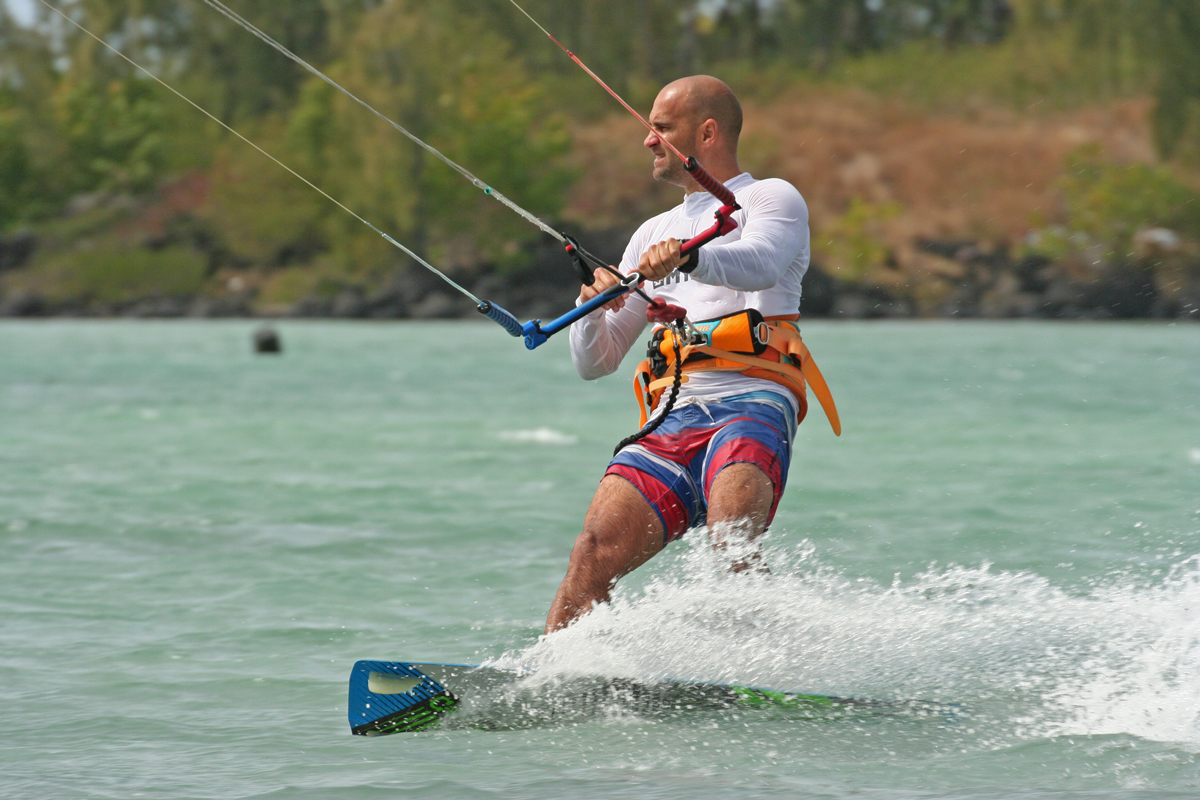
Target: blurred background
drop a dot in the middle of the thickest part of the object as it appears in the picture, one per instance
(960, 158)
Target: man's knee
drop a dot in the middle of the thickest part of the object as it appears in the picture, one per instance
(621, 532)
(589, 547)
(608, 549)
(742, 485)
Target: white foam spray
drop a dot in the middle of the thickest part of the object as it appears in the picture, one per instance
(1039, 661)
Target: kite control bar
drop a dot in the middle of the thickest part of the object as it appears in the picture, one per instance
(536, 333)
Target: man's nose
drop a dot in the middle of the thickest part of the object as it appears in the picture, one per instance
(651, 140)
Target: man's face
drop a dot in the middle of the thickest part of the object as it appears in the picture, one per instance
(672, 120)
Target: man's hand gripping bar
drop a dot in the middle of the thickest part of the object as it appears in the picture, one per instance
(536, 334)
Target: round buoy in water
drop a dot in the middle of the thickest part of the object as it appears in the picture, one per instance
(266, 340)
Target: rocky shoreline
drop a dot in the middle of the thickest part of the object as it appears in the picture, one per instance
(1160, 281)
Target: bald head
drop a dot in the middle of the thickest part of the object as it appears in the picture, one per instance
(700, 117)
(707, 98)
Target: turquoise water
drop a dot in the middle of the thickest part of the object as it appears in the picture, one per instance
(198, 543)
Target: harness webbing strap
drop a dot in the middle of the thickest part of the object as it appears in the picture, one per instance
(795, 347)
(795, 367)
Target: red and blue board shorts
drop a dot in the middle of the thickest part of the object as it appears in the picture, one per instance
(675, 466)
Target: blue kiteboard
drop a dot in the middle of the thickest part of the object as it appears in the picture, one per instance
(399, 696)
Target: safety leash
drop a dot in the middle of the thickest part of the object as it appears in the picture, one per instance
(676, 317)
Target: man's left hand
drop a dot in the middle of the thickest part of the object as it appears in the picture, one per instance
(661, 260)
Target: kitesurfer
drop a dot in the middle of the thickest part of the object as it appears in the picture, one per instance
(721, 456)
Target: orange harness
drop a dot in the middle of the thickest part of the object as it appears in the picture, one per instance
(745, 341)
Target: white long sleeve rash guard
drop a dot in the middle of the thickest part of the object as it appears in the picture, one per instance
(760, 264)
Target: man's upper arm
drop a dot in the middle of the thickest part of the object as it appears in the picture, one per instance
(774, 233)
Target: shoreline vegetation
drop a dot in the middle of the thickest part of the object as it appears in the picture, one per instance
(1008, 167)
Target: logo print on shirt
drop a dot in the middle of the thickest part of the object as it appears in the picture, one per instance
(674, 277)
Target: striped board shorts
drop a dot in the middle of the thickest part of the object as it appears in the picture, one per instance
(675, 466)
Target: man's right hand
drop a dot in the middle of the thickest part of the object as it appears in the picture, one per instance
(603, 280)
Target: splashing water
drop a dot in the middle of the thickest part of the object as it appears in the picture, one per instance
(1144, 678)
(1027, 658)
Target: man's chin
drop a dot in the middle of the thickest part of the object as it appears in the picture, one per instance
(667, 174)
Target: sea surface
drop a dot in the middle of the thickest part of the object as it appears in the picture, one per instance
(197, 543)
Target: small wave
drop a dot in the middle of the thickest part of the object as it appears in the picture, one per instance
(539, 436)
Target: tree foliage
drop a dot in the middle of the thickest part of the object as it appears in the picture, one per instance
(113, 132)
(1110, 202)
(1129, 38)
(476, 104)
(473, 78)
(15, 169)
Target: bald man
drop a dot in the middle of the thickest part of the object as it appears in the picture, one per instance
(721, 456)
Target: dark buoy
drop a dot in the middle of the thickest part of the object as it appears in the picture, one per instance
(266, 340)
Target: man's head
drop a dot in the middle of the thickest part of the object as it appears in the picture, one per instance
(701, 117)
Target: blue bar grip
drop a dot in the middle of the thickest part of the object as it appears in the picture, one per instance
(611, 293)
(502, 317)
(537, 334)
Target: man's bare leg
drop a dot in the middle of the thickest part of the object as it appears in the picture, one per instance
(739, 505)
(620, 533)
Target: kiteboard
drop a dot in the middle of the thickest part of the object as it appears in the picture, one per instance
(399, 696)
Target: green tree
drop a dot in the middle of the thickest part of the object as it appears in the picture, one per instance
(30, 157)
(456, 85)
(247, 77)
(1111, 202)
(15, 168)
(815, 32)
(626, 42)
(115, 133)
(1178, 89)
(215, 61)
(1131, 38)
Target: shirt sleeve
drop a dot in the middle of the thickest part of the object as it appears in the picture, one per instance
(774, 233)
(600, 340)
